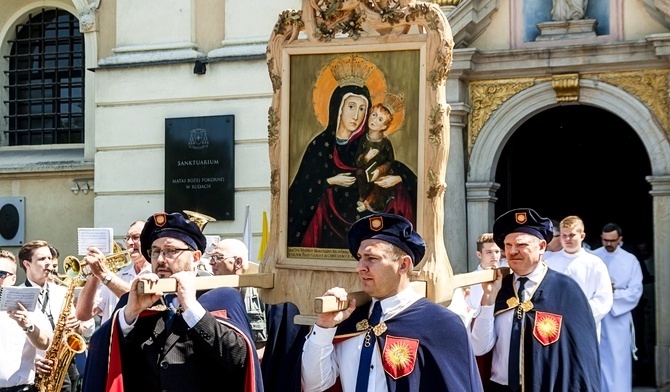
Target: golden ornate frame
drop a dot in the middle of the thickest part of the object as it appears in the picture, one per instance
(360, 26)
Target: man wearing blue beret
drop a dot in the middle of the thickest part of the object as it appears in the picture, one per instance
(177, 342)
(397, 342)
(536, 321)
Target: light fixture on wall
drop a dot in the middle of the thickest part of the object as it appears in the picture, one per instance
(82, 184)
(200, 67)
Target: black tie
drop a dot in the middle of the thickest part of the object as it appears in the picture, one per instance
(45, 305)
(169, 314)
(368, 348)
(515, 340)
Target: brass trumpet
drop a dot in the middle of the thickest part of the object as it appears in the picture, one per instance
(199, 219)
(65, 280)
(115, 261)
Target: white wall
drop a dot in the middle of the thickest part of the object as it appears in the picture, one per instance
(132, 103)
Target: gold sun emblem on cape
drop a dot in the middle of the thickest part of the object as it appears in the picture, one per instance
(547, 327)
(398, 355)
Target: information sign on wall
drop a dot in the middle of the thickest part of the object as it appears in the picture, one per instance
(200, 165)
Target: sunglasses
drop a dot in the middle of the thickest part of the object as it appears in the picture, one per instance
(4, 274)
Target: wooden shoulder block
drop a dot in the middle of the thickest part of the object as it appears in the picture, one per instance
(169, 285)
(477, 277)
(329, 303)
(166, 285)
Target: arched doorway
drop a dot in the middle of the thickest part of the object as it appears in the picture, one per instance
(585, 161)
(578, 160)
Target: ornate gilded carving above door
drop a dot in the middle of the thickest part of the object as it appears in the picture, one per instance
(649, 86)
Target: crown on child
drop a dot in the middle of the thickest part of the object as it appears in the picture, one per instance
(393, 103)
(352, 70)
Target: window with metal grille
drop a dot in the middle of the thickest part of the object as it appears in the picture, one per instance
(46, 81)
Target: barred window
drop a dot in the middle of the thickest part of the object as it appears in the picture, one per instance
(46, 81)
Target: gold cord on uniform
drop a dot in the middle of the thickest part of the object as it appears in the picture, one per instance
(378, 329)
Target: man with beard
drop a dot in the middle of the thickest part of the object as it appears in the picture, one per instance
(176, 342)
(618, 337)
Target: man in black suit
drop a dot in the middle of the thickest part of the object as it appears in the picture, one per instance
(179, 342)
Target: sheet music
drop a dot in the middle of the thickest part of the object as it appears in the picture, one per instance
(100, 238)
(27, 296)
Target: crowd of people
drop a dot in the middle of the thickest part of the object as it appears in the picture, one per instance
(561, 320)
(144, 342)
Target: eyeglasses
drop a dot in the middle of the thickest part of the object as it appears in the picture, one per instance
(216, 258)
(4, 274)
(135, 238)
(169, 254)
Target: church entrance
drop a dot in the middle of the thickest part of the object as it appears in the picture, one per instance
(585, 161)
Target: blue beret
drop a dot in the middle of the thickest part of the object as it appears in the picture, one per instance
(391, 228)
(522, 220)
(173, 225)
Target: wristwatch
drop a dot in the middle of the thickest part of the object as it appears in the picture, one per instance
(29, 328)
(106, 279)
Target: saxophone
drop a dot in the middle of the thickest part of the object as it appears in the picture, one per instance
(64, 346)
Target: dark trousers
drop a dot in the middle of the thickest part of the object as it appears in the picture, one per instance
(70, 383)
(19, 388)
(495, 387)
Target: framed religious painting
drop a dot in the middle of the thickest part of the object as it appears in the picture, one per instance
(358, 125)
(356, 152)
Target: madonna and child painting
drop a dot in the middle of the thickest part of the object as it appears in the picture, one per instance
(356, 152)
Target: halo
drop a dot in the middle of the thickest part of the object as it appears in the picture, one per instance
(398, 117)
(326, 84)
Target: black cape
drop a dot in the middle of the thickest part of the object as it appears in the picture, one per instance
(572, 361)
(444, 359)
(281, 360)
(97, 362)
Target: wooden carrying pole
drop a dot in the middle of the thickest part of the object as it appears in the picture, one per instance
(326, 304)
(169, 285)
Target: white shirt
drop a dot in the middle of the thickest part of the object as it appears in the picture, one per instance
(460, 306)
(17, 353)
(322, 362)
(106, 300)
(57, 295)
(618, 336)
(474, 300)
(626, 275)
(590, 272)
(491, 332)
